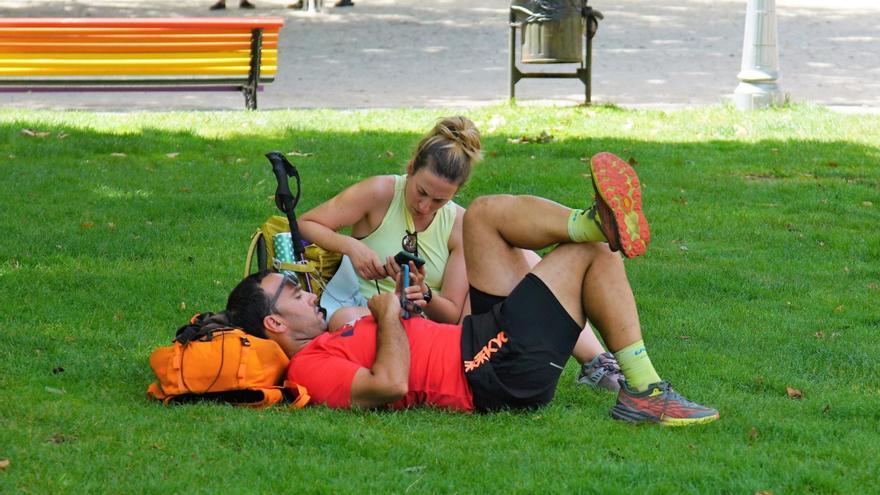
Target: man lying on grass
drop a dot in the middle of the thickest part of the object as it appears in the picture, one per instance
(509, 356)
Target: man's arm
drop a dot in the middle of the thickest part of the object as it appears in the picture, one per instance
(388, 380)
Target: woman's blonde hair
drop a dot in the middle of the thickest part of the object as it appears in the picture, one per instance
(449, 150)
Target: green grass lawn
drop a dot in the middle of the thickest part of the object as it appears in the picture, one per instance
(763, 274)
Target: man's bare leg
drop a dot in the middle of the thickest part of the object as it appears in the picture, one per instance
(495, 228)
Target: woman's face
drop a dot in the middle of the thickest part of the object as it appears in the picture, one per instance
(426, 192)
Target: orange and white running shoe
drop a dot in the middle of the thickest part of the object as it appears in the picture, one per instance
(618, 206)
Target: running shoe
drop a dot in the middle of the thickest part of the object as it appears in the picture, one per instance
(602, 372)
(659, 404)
(618, 208)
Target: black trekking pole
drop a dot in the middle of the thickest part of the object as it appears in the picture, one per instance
(286, 202)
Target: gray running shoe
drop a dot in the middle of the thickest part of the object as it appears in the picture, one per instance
(602, 372)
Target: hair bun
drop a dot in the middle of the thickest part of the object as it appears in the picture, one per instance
(460, 130)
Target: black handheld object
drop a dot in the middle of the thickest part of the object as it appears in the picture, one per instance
(286, 202)
(284, 199)
(403, 258)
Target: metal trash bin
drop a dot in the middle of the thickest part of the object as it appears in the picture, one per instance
(553, 32)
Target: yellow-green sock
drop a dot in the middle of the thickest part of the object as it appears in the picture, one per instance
(582, 227)
(636, 366)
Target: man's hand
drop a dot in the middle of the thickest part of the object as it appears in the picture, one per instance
(384, 306)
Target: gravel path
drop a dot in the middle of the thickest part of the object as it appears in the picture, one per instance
(398, 53)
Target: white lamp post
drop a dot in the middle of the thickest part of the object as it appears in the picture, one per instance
(760, 58)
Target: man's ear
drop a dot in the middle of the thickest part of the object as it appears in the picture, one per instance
(274, 324)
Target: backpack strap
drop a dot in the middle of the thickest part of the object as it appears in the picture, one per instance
(302, 395)
(242, 363)
(250, 252)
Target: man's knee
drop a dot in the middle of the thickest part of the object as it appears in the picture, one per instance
(485, 208)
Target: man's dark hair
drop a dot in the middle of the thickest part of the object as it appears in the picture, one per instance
(248, 304)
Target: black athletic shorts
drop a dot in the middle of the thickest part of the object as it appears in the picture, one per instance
(513, 355)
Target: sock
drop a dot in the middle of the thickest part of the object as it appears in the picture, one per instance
(582, 227)
(636, 366)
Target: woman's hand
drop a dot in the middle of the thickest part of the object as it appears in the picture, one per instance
(417, 288)
(365, 261)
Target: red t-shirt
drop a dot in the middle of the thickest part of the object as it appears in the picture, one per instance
(326, 366)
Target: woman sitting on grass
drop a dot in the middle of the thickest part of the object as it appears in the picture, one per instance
(412, 212)
(415, 213)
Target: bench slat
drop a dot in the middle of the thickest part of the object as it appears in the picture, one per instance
(39, 58)
(109, 71)
(112, 30)
(134, 80)
(125, 47)
(159, 22)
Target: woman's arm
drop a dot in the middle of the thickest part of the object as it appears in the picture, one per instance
(446, 305)
(360, 206)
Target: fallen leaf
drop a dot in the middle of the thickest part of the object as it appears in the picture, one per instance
(182, 306)
(794, 393)
(833, 164)
(61, 438)
(111, 225)
(33, 133)
(692, 446)
(632, 161)
(389, 154)
(872, 285)
(846, 269)
(493, 153)
(585, 159)
(87, 225)
(4, 463)
(764, 492)
(839, 308)
(544, 137)
(826, 408)
(299, 153)
(753, 434)
(683, 248)
(118, 316)
(118, 155)
(56, 370)
(53, 390)
(172, 155)
(684, 337)
(820, 334)
(867, 203)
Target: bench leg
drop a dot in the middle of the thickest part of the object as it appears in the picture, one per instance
(253, 83)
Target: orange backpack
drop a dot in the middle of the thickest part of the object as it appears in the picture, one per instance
(210, 360)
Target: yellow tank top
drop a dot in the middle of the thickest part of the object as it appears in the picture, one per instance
(433, 242)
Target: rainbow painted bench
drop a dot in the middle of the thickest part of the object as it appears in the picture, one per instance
(179, 54)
